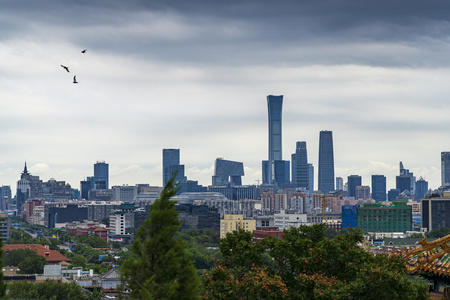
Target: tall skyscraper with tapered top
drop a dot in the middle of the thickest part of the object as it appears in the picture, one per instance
(275, 106)
(326, 162)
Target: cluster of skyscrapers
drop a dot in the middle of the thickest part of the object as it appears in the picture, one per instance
(276, 171)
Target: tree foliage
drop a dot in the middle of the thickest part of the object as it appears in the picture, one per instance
(438, 233)
(305, 264)
(51, 290)
(161, 267)
(2, 283)
(27, 260)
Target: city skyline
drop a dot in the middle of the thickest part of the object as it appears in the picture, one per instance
(195, 75)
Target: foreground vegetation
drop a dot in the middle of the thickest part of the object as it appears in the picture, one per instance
(305, 264)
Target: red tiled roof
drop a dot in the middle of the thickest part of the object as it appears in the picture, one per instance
(100, 229)
(51, 256)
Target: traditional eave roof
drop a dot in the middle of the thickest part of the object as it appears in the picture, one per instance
(111, 274)
(427, 257)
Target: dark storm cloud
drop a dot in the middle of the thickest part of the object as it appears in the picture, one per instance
(402, 33)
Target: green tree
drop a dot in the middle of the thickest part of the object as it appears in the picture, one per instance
(15, 257)
(78, 260)
(438, 233)
(161, 267)
(32, 265)
(51, 290)
(305, 264)
(2, 283)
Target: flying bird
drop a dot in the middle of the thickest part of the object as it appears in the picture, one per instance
(67, 69)
(75, 79)
(83, 51)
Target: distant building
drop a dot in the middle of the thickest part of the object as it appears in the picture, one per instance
(405, 181)
(101, 175)
(311, 178)
(275, 107)
(4, 227)
(122, 224)
(339, 184)
(379, 188)
(55, 213)
(99, 210)
(227, 172)
(171, 165)
(362, 192)
(326, 162)
(375, 217)
(445, 168)
(349, 216)
(421, 189)
(353, 182)
(435, 210)
(286, 221)
(125, 193)
(236, 192)
(198, 217)
(299, 159)
(231, 223)
(393, 194)
(87, 229)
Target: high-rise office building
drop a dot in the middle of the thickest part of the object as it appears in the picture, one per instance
(274, 169)
(171, 165)
(353, 182)
(405, 181)
(275, 106)
(326, 162)
(339, 184)
(362, 192)
(101, 176)
(421, 189)
(227, 172)
(445, 168)
(300, 176)
(379, 188)
(311, 178)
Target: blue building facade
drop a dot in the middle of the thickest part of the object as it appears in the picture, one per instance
(379, 188)
(326, 162)
(349, 216)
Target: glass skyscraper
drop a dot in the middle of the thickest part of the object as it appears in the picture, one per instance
(171, 165)
(227, 171)
(275, 106)
(101, 175)
(300, 176)
(379, 188)
(445, 168)
(326, 162)
(353, 181)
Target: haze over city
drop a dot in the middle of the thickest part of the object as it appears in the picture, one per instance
(195, 76)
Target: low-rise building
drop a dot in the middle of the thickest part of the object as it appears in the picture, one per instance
(231, 223)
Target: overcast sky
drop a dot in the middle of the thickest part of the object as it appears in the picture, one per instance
(195, 75)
